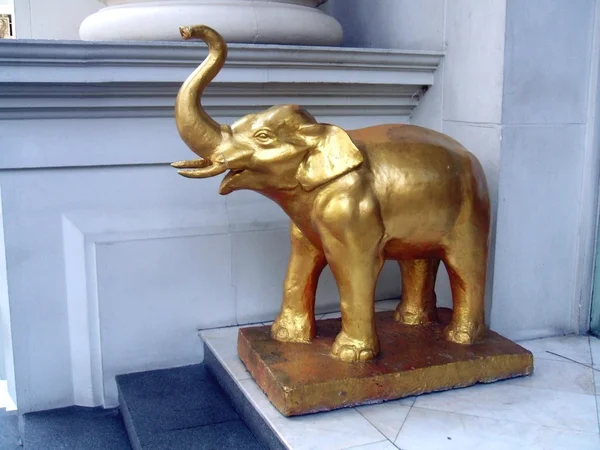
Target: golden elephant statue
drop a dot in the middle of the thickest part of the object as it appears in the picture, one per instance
(355, 198)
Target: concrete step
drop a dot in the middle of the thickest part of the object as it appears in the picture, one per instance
(248, 411)
(181, 408)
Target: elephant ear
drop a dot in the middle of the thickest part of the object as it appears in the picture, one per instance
(332, 154)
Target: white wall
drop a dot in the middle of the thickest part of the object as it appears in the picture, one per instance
(544, 208)
(6, 7)
(390, 23)
(52, 19)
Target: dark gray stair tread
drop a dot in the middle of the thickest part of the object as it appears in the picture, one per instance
(9, 431)
(225, 435)
(180, 408)
(75, 428)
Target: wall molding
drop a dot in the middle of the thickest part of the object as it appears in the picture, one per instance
(63, 79)
(83, 231)
(64, 56)
(144, 100)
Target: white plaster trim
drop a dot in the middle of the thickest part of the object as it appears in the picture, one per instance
(46, 61)
(82, 231)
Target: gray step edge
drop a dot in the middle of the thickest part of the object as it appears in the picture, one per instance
(253, 419)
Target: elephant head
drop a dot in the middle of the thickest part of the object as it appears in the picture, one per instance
(277, 149)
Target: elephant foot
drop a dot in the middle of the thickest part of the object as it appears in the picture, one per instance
(409, 316)
(353, 350)
(293, 328)
(464, 333)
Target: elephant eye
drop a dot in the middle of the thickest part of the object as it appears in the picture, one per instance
(263, 135)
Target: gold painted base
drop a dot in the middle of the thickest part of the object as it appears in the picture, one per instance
(305, 378)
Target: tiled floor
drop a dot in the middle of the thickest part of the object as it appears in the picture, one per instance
(556, 408)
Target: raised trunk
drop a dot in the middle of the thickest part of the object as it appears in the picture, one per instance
(197, 129)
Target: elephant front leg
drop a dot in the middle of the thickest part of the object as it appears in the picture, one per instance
(355, 260)
(356, 275)
(296, 321)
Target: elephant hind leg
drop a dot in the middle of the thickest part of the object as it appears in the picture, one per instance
(467, 265)
(418, 305)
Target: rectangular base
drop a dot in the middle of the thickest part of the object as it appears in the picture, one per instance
(305, 378)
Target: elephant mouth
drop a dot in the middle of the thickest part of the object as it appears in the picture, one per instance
(230, 180)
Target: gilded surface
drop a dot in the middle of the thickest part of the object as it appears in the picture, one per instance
(301, 379)
(355, 199)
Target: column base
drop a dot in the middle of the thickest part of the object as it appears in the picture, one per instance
(241, 21)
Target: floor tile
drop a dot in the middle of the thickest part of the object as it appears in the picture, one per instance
(554, 408)
(574, 347)
(427, 429)
(334, 430)
(222, 340)
(383, 445)
(558, 375)
(595, 348)
(387, 417)
(223, 343)
(387, 305)
(520, 404)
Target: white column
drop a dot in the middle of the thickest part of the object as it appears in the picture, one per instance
(247, 21)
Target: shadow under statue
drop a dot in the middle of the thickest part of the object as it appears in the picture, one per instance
(355, 199)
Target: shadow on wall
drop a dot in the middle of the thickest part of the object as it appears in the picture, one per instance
(396, 24)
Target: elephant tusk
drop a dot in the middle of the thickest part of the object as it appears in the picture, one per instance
(204, 172)
(192, 164)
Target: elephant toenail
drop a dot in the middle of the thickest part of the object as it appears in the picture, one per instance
(282, 333)
(347, 354)
(366, 355)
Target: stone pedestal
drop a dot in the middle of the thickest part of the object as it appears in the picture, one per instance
(305, 378)
(294, 22)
